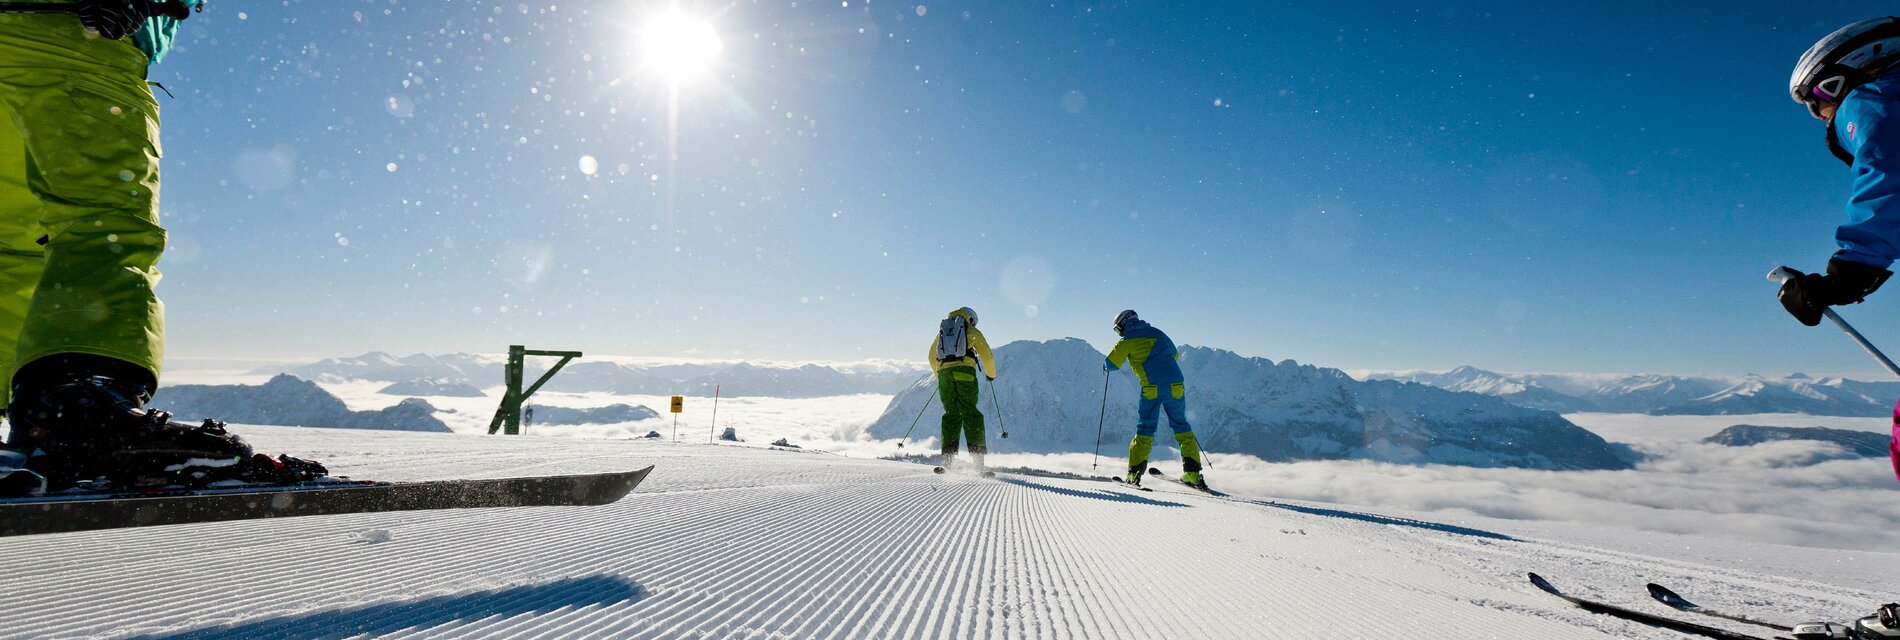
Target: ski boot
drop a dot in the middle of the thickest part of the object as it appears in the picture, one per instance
(1885, 623)
(1134, 476)
(1194, 479)
(947, 462)
(85, 414)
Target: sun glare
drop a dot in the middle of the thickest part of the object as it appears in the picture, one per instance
(678, 47)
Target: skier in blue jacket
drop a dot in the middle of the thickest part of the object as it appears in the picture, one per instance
(1849, 80)
(1152, 355)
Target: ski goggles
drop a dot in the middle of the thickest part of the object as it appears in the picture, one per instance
(1830, 86)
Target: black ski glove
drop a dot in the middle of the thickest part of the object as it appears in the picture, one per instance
(1808, 294)
(113, 19)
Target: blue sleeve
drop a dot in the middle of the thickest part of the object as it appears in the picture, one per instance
(1873, 214)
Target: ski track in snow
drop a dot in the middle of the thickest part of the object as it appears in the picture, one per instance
(740, 542)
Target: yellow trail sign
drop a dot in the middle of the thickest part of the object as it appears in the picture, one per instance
(679, 404)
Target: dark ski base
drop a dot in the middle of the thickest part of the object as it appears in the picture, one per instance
(940, 470)
(1123, 482)
(65, 512)
(1664, 595)
(1640, 617)
(1157, 473)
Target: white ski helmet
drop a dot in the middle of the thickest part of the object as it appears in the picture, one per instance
(968, 312)
(1843, 60)
(1122, 319)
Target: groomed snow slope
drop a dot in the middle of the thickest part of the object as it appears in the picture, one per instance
(740, 542)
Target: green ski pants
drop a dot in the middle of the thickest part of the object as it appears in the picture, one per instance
(79, 234)
(957, 386)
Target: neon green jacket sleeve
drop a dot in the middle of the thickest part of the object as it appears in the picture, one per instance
(1118, 355)
(982, 348)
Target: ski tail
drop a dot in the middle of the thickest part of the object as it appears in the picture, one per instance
(1632, 615)
(1158, 474)
(1664, 595)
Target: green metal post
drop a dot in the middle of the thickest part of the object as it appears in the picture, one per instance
(508, 415)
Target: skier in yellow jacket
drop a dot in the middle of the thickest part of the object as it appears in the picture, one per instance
(956, 353)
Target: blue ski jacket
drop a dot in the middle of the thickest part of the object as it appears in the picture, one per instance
(1149, 352)
(1866, 127)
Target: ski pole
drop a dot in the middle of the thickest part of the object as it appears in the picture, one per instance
(1784, 274)
(994, 404)
(715, 424)
(920, 414)
(1098, 423)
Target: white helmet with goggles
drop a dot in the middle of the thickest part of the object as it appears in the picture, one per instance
(1845, 59)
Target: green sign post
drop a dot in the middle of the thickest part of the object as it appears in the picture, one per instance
(508, 416)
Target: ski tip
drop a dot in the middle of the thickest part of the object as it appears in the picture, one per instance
(989, 474)
(1543, 584)
(1664, 595)
(936, 469)
(1154, 471)
(1782, 274)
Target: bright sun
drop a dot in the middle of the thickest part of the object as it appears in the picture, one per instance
(678, 47)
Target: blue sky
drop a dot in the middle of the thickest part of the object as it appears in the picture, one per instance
(1518, 186)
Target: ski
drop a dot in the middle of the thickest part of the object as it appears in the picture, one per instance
(1123, 482)
(68, 511)
(1638, 616)
(1664, 595)
(941, 470)
(1157, 473)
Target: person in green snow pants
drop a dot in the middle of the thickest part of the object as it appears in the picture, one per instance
(956, 368)
(79, 234)
(82, 333)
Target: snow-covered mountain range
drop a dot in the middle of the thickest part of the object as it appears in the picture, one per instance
(1050, 399)
(625, 376)
(1667, 395)
(286, 400)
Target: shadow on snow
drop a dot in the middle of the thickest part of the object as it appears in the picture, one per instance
(394, 617)
(1113, 495)
(1379, 519)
